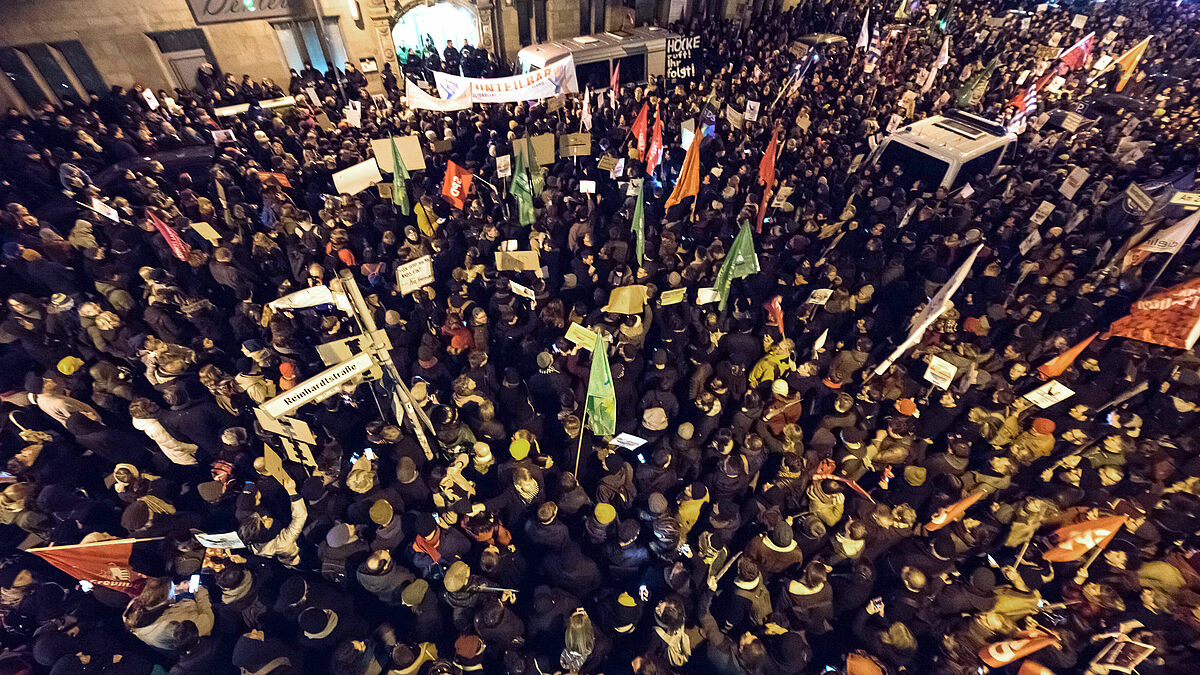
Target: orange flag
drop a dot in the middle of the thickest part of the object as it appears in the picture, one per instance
(949, 514)
(1055, 366)
(102, 563)
(1076, 540)
(1128, 62)
(1170, 317)
(1034, 668)
(1003, 653)
(456, 185)
(639, 129)
(688, 183)
(860, 664)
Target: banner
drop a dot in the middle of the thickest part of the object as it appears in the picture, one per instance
(318, 387)
(1003, 653)
(102, 563)
(456, 185)
(421, 100)
(178, 246)
(1075, 541)
(953, 512)
(545, 82)
(1170, 318)
(305, 297)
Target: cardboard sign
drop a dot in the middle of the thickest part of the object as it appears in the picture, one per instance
(523, 291)
(940, 372)
(385, 190)
(587, 187)
(1042, 213)
(581, 336)
(409, 148)
(543, 149)
(736, 119)
(324, 122)
(1029, 242)
(440, 146)
(819, 297)
(289, 427)
(220, 136)
(504, 166)
(416, 274)
(274, 465)
(574, 145)
(1055, 38)
(893, 122)
(205, 230)
(518, 261)
(311, 93)
(1074, 181)
(106, 210)
(752, 108)
(672, 297)
(226, 541)
(966, 191)
(556, 102)
(1079, 21)
(1072, 120)
(781, 197)
(856, 162)
(357, 178)
(1108, 37)
(607, 163)
(628, 441)
(353, 114)
(1048, 394)
(626, 300)
(706, 296)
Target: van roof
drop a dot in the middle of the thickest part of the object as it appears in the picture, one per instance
(613, 44)
(954, 134)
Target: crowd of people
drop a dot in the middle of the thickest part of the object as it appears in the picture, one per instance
(787, 511)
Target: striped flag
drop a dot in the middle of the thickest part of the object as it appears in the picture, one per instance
(614, 84)
(874, 51)
(586, 117)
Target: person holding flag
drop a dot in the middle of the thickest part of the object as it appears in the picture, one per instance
(741, 261)
(400, 181)
(600, 408)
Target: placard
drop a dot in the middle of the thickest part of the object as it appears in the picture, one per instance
(781, 197)
(1030, 241)
(311, 93)
(607, 163)
(687, 131)
(1138, 198)
(672, 297)
(1071, 121)
(574, 145)
(626, 300)
(735, 118)
(318, 387)
(856, 162)
(819, 297)
(587, 187)
(1042, 213)
(517, 261)
(940, 372)
(323, 121)
(357, 178)
(628, 441)
(105, 210)
(1074, 181)
(543, 149)
(681, 63)
(416, 274)
(820, 342)
(581, 336)
(289, 427)
(385, 190)
(504, 166)
(220, 136)
(752, 108)
(226, 540)
(1108, 37)
(274, 465)
(353, 114)
(556, 102)
(440, 146)
(1048, 394)
(706, 296)
(205, 230)
(523, 291)
(409, 148)
(1079, 21)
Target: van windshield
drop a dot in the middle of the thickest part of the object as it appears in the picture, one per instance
(914, 165)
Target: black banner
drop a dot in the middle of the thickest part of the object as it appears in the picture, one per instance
(681, 58)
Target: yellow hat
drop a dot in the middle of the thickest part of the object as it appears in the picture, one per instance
(626, 600)
(605, 513)
(69, 365)
(519, 448)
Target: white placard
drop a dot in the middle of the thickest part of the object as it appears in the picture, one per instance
(1108, 37)
(357, 178)
(311, 93)
(1042, 213)
(1079, 21)
(523, 291)
(414, 275)
(856, 162)
(555, 78)
(220, 136)
(1050, 393)
(687, 131)
(1055, 38)
(940, 372)
(227, 540)
(819, 297)
(1071, 121)
(628, 441)
(893, 122)
(105, 210)
(318, 387)
(752, 108)
(705, 296)
(504, 166)
(820, 342)
(409, 148)
(966, 191)
(353, 113)
(587, 187)
(735, 118)
(781, 197)
(150, 98)
(1074, 181)
(1029, 242)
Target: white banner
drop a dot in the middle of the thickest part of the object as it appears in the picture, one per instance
(305, 297)
(419, 99)
(318, 387)
(545, 82)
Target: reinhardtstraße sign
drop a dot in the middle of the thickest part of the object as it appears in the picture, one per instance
(318, 387)
(222, 11)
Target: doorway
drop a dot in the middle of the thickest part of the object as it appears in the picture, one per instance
(184, 65)
(301, 44)
(422, 26)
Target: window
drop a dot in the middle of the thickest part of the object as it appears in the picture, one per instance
(77, 57)
(523, 11)
(181, 41)
(915, 166)
(21, 78)
(539, 19)
(594, 75)
(982, 164)
(633, 68)
(51, 72)
(301, 44)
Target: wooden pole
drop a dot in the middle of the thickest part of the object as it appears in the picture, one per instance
(106, 542)
(579, 449)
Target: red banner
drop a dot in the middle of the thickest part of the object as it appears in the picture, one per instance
(1170, 318)
(456, 186)
(1076, 540)
(104, 563)
(178, 246)
(1003, 653)
(953, 512)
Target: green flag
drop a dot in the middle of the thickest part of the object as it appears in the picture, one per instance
(535, 169)
(399, 181)
(741, 261)
(972, 91)
(520, 189)
(639, 223)
(601, 406)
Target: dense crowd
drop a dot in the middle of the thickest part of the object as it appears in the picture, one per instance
(778, 518)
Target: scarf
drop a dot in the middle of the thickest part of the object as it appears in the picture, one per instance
(156, 505)
(429, 546)
(679, 645)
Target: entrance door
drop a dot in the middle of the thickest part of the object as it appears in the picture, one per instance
(185, 64)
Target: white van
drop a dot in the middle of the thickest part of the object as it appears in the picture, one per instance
(946, 150)
(642, 53)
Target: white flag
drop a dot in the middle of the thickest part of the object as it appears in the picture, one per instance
(933, 309)
(418, 98)
(943, 56)
(587, 108)
(305, 297)
(1166, 241)
(864, 35)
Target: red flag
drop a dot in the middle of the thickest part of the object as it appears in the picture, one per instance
(1076, 540)
(953, 512)
(654, 156)
(456, 185)
(1076, 55)
(766, 176)
(614, 84)
(103, 563)
(1003, 653)
(639, 129)
(774, 309)
(1170, 317)
(1055, 366)
(1034, 668)
(178, 246)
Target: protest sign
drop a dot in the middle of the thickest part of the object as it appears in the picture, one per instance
(581, 336)
(681, 62)
(1073, 182)
(523, 291)
(1048, 394)
(205, 230)
(1043, 211)
(574, 145)
(226, 540)
(819, 297)
(543, 149)
(517, 261)
(752, 108)
(672, 297)
(1030, 241)
(708, 295)
(409, 148)
(357, 178)
(940, 372)
(416, 274)
(504, 166)
(626, 300)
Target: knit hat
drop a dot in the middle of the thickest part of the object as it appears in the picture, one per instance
(605, 513)
(135, 516)
(406, 470)
(69, 365)
(381, 512)
(414, 593)
(339, 535)
(467, 646)
(1043, 426)
(519, 448)
(626, 600)
(317, 623)
(915, 475)
(686, 431)
(654, 419)
(779, 388)
(211, 491)
(906, 406)
(457, 576)
(781, 534)
(544, 360)
(657, 503)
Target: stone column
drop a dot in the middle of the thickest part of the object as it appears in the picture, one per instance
(487, 31)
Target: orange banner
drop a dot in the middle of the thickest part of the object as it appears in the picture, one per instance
(1170, 317)
(1003, 653)
(953, 512)
(1074, 541)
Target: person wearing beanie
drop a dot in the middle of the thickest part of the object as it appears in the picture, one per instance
(626, 556)
(341, 543)
(383, 578)
(389, 528)
(599, 524)
(774, 551)
(1034, 443)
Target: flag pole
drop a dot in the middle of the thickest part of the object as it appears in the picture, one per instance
(1160, 271)
(106, 542)
(579, 449)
